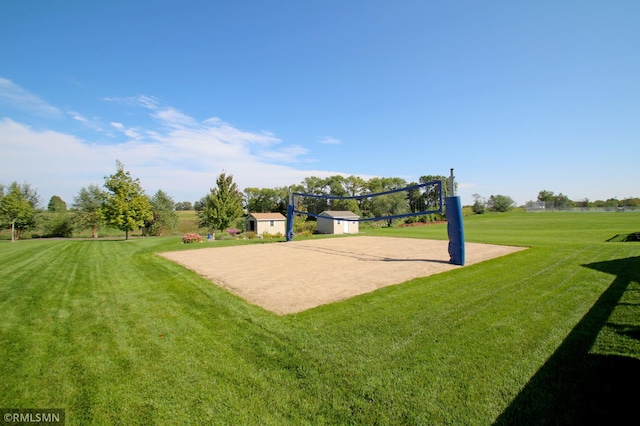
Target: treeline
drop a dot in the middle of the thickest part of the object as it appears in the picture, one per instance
(547, 200)
(123, 204)
(410, 201)
(562, 202)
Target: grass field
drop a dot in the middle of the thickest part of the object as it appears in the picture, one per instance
(115, 334)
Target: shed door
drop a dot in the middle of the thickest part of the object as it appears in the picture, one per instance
(346, 226)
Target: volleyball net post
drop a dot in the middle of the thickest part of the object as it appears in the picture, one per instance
(455, 226)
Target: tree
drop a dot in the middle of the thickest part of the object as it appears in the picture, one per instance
(266, 200)
(340, 186)
(164, 215)
(183, 206)
(500, 203)
(545, 195)
(57, 205)
(562, 202)
(87, 206)
(612, 202)
(18, 204)
(479, 204)
(316, 186)
(125, 206)
(55, 222)
(222, 206)
(631, 202)
(389, 204)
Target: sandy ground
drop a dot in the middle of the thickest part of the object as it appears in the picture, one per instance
(292, 277)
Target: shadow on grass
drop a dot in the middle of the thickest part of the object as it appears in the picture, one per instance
(634, 236)
(578, 386)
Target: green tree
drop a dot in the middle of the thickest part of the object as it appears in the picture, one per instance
(222, 206)
(500, 203)
(545, 195)
(266, 200)
(56, 222)
(612, 202)
(479, 204)
(87, 209)
(631, 202)
(125, 206)
(341, 186)
(316, 186)
(164, 215)
(18, 204)
(562, 202)
(389, 204)
(184, 206)
(57, 205)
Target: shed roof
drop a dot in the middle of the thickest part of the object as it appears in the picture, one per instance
(268, 216)
(339, 213)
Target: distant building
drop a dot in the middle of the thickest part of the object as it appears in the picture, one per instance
(338, 222)
(271, 223)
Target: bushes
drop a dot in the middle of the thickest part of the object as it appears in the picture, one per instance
(268, 235)
(191, 238)
(54, 225)
(301, 226)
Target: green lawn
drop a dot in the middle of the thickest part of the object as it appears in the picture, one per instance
(118, 335)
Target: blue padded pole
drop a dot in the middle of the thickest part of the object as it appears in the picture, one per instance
(290, 218)
(455, 227)
(455, 230)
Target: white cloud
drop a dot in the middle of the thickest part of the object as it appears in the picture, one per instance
(129, 132)
(180, 154)
(329, 140)
(149, 102)
(16, 97)
(77, 116)
(181, 161)
(173, 118)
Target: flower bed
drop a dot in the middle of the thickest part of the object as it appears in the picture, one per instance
(191, 238)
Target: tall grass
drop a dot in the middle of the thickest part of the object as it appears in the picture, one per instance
(115, 334)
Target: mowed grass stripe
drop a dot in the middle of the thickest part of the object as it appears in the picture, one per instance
(133, 327)
(462, 338)
(118, 335)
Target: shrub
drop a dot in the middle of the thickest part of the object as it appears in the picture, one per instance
(191, 238)
(250, 235)
(232, 231)
(56, 225)
(268, 235)
(300, 226)
(225, 236)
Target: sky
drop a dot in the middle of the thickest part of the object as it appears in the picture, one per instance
(516, 96)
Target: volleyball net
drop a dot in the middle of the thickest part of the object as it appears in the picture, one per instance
(415, 200)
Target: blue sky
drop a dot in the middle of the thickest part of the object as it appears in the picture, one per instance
(516, 96)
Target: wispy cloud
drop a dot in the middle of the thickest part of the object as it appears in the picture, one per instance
(149, 102)
(330, 140)
(179, 154)
(129, 132)
(173, 118)
(76, 116)
(16, 97)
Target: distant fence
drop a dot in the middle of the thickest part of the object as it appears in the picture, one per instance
(542, 206)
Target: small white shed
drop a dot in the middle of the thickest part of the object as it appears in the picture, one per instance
(271, 223)
(338, 222)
